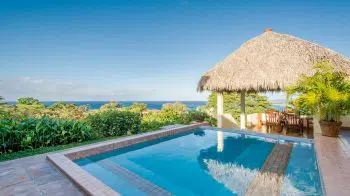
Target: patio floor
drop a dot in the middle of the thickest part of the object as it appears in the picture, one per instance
(334, 162)
(36, 176)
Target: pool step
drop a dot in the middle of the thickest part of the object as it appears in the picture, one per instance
(139, 182)
(164, 183)
(270, 178)
(254, 156)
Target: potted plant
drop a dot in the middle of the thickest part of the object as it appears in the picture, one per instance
(326, 94)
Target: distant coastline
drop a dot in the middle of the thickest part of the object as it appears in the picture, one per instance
(151, 105)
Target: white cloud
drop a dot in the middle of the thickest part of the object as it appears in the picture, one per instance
(42, 89)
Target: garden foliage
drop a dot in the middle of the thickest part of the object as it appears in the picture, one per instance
(325, 94)
(254, 103)
(114, 123)
(29, 133)
(31, 125)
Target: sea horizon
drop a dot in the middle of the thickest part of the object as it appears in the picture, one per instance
(150, 104)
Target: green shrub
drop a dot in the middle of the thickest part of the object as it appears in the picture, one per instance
(66, 111)
(28, 101)
(33, 110)
(29, 133)
(137, 107)
(197, 115)
(115, 123)
(170, 114)
(151, 125)
(212, 121)
(175, 107)
(201, 115)
(61, 105)
(110, 106)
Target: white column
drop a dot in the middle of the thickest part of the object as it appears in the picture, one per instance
(316, 126)
(220, 138)
(220, 108)
(243, 116)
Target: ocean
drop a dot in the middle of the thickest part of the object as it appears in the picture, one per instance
(150, 104)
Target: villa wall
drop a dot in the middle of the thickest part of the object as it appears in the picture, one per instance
(346, 121)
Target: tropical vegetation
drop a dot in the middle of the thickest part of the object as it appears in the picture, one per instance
(30, 125)
(325, 94)
(255, 103)
(30, 133)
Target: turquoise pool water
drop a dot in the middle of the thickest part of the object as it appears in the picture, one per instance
(202, 162)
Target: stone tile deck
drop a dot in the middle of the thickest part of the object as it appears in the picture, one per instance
(34, 176)
(334, 162)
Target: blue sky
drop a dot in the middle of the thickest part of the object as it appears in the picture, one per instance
(143, 50)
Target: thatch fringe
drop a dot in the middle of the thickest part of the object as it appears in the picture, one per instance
(269, 62)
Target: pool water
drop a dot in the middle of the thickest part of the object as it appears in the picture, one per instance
(202, 162)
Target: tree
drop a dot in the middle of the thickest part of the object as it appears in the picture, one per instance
(62, 105)
(255, 103)
(177, 107)
(137, 107)
(27, 101)
(110, 106)
(2, 101)
(66, 110)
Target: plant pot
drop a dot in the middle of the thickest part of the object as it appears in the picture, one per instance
(330, 129)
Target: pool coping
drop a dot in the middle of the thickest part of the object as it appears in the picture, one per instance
(87, 182)
(265, 137)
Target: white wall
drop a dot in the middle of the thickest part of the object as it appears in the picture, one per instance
(345, 120)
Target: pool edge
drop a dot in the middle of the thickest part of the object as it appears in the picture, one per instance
(84, 180)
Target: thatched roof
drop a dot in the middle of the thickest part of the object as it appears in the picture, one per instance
(269, 62)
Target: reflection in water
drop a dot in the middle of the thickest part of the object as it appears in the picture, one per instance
(199, 133)
(235, 178)
(220, 138)
(237, 162)
(238, 179)
(234, 161)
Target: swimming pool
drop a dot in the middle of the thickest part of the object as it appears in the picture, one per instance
(208, 161)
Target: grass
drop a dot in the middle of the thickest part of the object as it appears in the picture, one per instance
(37, 151)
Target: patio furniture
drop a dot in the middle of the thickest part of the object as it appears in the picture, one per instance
(273, 117)
(274, 120)
(309, 124)
(293, 121)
